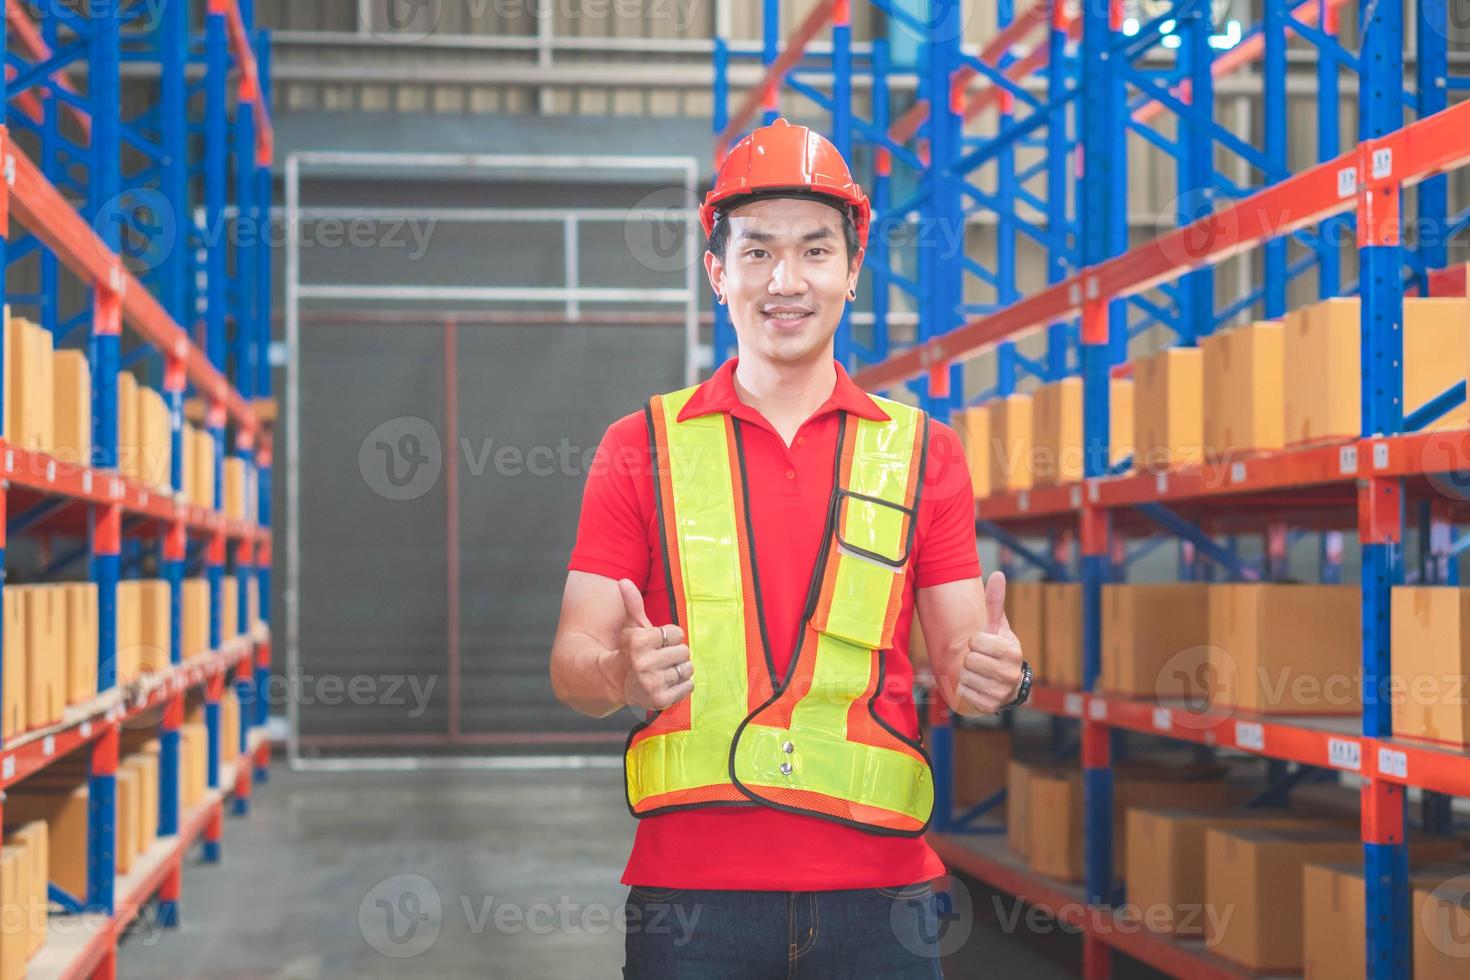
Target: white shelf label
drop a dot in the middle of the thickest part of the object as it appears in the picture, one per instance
(1093, 492)
(1344, 753)
(1347, 460)
(9, 461)
(1023, 501)
(1250, 735)
(1237, 472)
(48, 745)
(1076, 497)
(1072, 705)
(1382, 163)
(1380, 455)
(7, 769)
(1097, 709)
(87, 481)
(86, 728)
(1392, 762)
(1161, 483)
(1347, 182)
(50, 471)
(1163, 719)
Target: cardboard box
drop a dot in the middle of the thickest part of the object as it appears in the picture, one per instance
(45, 655)
(229, 739)
(973, 426)
(1011, 443)
(1430, 660)
(1024, 613)
(81, 641)
(1244, 380)
(1061, 641)
(72, 413)
(14, 342)
(155, 448)
(189, 449)
(1323, 358)
(33, 410)
(1441, 907)
(1334, 920)
(1436, 352)
(204, 468)
(126, 828)
(195, 627)
(1169, 409)
(235, 487)
(129, 427)
(229, 624)
(32, 839)
(153, 636)
(1166, 861)
(15, 940)
(1018, 798)
(1153, 639)
(65, 814)
(1057, 432)
(1055, 809)
(129, 630)
(982, 756)
(145, 825)
(1286, 649)
(1253, 879)
(1057, 420)
(15, 698)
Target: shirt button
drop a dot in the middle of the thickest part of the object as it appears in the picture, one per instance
(801, 440)
(790, 474)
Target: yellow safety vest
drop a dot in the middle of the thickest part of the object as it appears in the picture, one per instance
(809, 742)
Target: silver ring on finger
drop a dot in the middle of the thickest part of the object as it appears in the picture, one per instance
(663, 641)
(678, 672)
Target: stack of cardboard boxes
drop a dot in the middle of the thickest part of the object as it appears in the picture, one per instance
(50, 653)
(142, 628)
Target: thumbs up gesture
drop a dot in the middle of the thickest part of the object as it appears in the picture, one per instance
(990, 665)
(659, 670)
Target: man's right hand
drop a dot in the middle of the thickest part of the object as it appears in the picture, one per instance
(659, 669)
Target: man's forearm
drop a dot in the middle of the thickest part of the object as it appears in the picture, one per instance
(586, 676)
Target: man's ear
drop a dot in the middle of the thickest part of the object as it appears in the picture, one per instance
(715, 270)
(856, 266)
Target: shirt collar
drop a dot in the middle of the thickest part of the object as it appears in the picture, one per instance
(718, 394)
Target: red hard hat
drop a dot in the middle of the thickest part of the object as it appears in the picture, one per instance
(786, 157)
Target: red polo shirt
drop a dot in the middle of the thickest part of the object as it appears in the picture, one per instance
(765, 848)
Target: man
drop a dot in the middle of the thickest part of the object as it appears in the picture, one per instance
(754, 590)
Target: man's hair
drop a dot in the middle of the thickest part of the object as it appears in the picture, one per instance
(719, 235)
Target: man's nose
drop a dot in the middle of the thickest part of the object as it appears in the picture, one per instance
(787, 279)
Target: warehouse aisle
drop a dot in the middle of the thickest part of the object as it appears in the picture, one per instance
(466, 874)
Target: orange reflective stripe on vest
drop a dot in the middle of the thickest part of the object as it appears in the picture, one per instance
(809, 742)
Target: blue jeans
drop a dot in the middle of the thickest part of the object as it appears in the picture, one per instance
(715, 934)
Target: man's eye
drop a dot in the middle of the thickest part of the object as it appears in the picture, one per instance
(757, 253)
(818, 250)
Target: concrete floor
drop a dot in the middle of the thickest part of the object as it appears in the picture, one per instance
(406, 874)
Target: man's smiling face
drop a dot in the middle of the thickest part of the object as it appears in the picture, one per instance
(785, 276)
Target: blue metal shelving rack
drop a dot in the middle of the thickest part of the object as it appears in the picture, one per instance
(1101, 90)
(133, 244)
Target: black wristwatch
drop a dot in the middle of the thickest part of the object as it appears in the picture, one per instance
(1023, 693)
